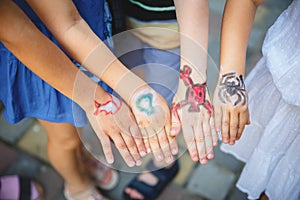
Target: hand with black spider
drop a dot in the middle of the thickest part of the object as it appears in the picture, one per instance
(231, 107)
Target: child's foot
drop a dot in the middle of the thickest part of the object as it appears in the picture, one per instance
(104, 176)
(149, 185)
(90, 193)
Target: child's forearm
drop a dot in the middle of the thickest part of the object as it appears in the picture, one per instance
(44, 58)
(236, 28)
(193, 21)
(76, 37)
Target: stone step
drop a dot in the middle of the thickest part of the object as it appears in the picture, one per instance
(211, 181)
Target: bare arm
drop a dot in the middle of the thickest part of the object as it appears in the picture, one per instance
(76, 37)
(193, 21)
(30, 46)
(191, 107)
(236, 28)
(47, 61)
(231, 108)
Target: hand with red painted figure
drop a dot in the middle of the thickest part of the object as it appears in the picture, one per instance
(111, 119)
(192, 111)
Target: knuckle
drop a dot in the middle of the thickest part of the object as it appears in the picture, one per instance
(232, 137)
(131, 144)
(165, 148)
(153, 139)
(200, 140)
(164, 141)
(106, 147)
(121, 146)
(189, 139)
(226, 123)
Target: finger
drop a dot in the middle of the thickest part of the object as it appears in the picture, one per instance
(243, 118)
(218, 118)
(106, 147)
(164, 145)
(131, 146)
(173, 145)
(146, 140)
(248, 121)
(154, 144)
(234, 123)
(225, 126)
(122, 147)
(208, 138)
(188, 134)
(138, 139)
(167, 125)
(104, 140)
(176, 127)
(213, 132)
(200, 142)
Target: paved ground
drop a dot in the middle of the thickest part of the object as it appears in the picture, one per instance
(23, 150)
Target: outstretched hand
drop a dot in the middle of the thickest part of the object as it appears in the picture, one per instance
(152, 114)
(192, 111)
(112, 119)
(231, 107)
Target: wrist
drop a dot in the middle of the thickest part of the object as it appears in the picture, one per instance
(129, 85)
(192, 75)
(89, 98)
(238, 69)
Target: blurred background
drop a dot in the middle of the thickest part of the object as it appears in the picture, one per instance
(23, 145)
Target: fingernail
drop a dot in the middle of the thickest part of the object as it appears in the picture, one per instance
(195, 158)
(138, 163)
(110, 160)
(231, 143)
(215, 144)
(148, 150)
(203, 161)
(210, 156)
(159, 157)
(143, 153)
(131, 163)
(225, 140)
(174, 151)
(169, 159)
(173, 131)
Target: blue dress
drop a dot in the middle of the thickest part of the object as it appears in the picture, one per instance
(24, 94)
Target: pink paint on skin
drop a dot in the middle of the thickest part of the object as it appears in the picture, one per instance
(110, 107)
(195, 95)
(175, 111)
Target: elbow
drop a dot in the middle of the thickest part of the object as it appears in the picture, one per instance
(72, 19)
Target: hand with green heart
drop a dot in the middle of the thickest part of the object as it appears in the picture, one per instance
(152, 114)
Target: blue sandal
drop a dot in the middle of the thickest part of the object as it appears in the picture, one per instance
(164, 176)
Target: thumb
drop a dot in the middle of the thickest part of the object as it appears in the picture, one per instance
(175, 121)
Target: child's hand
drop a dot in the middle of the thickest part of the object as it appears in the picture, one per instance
(231, 107)
(112, 119)
(152, 114)
(193, 111)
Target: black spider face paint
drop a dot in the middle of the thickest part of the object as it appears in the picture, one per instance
(195, 94)
(232, 89)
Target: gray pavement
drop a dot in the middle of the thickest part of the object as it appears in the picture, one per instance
(23, 149)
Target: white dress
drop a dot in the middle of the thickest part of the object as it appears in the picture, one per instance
(270, 146)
